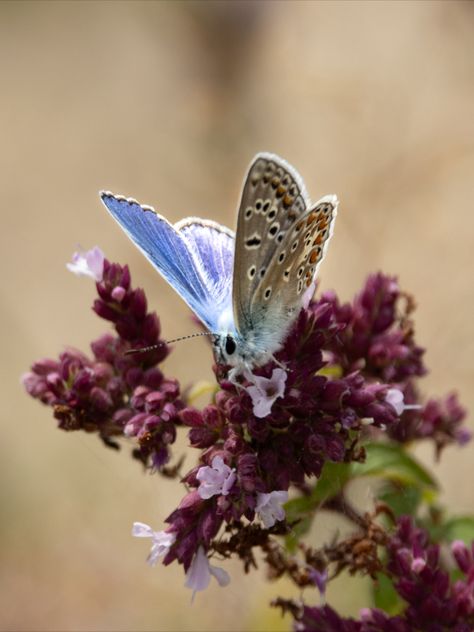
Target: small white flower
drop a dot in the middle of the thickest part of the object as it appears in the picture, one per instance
(214, 480)
(161, 541)
(88, 263)
(200, 571)
(264, 391)
(396, 399)
(269, 507)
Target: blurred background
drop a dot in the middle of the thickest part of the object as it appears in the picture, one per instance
(168, 102)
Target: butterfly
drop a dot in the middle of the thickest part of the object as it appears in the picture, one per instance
(247, 288)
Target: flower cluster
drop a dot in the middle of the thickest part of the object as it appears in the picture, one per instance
(376, 338)
(431, 599)
(112, 393)
(439, 420)
(344, 374)
(310, 419)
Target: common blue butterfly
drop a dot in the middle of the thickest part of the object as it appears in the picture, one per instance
(246, 288)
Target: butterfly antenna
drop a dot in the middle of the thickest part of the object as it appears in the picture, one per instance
(168, 342)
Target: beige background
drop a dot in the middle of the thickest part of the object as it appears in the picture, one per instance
(168, 102)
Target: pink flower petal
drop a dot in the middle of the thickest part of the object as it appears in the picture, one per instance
(269, 507)
(142, 530)
(88, 263)
(264, 391)
(215, 480)
(200, 571)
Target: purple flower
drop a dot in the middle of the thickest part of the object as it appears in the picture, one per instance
(320, 579)
(161, 541)
(88, 263)
(396, 399)
(200, 571)
(112, 393)
(215, 480)
(376, 337)
(432, 600)
(439, 420)
(324, 619)
(349, 373)
(269, 507)
(264, 391)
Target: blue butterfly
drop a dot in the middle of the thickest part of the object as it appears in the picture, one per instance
(246, 288)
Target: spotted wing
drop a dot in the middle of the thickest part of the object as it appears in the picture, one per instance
(293, 268)
(273, 199)
(195, 256)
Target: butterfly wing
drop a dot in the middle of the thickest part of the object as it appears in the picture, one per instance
(294, 264)
(212, 246)
(273, 199)
(181, 254)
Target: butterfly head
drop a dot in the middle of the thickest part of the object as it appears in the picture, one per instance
(226, 350)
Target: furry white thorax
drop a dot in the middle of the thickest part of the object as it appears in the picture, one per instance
(261, 341)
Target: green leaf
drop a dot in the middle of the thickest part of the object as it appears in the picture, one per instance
(390, 461)
(402, 499)
(385, 596)
(333, 478)
(298, 508)
(460, 528)
(297, 532)
(331, 370)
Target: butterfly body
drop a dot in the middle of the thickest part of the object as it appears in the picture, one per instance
(246, 288)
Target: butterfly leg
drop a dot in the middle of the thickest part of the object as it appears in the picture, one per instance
(234, 374)
(278, 363)
(242, 370)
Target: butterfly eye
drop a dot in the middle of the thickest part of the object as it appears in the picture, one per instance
(230, 345)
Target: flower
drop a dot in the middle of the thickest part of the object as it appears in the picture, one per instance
(269, 507)
(432, 600)
(113, 393)
(320, 579)
(396, 399)
(377, 336)
(161, 541)
(350, 369)
(200, 571)
(88, 263)
(214, 480)
(264, 391)
(439, 420)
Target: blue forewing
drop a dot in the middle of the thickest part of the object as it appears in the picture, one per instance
(195, 256)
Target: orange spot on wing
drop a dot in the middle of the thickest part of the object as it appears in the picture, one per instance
(313, 256)
(311, 218)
